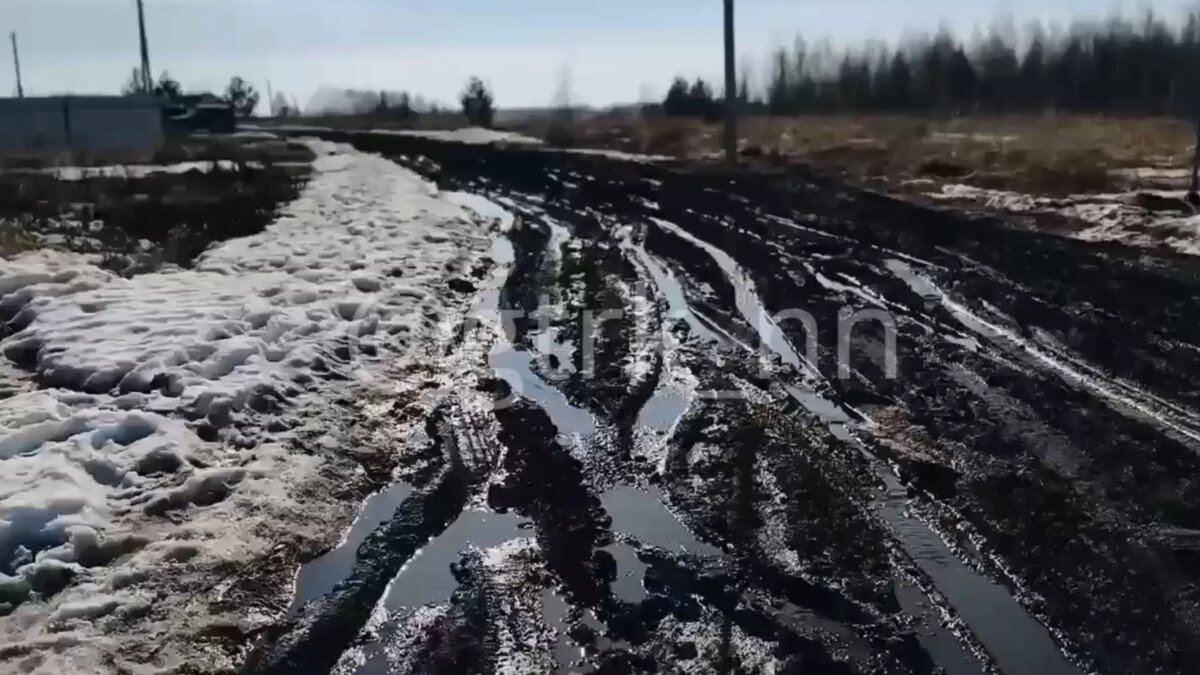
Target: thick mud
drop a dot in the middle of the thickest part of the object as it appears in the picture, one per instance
(762, 422)
(137, 225)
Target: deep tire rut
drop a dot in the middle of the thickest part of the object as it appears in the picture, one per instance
(797, 509)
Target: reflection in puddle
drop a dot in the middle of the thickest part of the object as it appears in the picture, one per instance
(426, 579)
(747, 300)
(554, 613)
(569, 652)
(481, 205)
(1017, 642)
(642, 515)
(319, 576)
(668, 285)
(663, 410)
(835, 418)
(515, 366)
(511, 364)
(630, 585)
(946, 649)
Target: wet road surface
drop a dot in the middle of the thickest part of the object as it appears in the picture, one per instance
(761, 422)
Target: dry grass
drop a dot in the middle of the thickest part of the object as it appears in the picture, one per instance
(237, 149)
(14, 240)
(1052, 154)
(1049, 154)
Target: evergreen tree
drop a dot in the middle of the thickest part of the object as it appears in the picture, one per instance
(676, 102)
(779, 96)
(477, 103)
(1119, 66)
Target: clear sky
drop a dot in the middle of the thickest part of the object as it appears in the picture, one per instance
(615, 50)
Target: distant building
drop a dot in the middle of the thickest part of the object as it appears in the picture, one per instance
(119, 126)
(200, 112)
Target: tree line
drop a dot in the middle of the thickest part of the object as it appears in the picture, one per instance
(477, 104)
(1145, 66)
(477, 100)
(239, 93)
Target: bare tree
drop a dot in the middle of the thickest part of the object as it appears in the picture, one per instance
(168, 87)
(135, 84)
(243, 96)
(562, 95)
(280, 106)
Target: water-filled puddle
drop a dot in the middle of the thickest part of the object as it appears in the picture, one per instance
(319, 576)
(642, 514)
(426, 579)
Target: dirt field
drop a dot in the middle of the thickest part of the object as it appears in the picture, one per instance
(137, 218)
(692, 491)
(1051, 154)
(1094, 178)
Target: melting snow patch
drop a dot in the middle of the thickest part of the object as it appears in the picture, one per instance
(259, 316)
(1149, 218)
(155, 437)
(616, 154)
(469, 136)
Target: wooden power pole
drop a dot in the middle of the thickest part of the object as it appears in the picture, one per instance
(731, 89)
(147, 78)
(17, 65)
(1193, 193)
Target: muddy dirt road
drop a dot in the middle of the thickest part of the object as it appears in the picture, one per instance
(659, 455)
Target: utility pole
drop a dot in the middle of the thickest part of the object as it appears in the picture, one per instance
(1193, 193)
(17, 65)
(731, 102)
(147, 78)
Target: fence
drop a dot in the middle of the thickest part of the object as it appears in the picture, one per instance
(127, 126)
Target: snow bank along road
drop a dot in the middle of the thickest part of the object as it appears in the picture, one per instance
(611, 444)
(176, 443)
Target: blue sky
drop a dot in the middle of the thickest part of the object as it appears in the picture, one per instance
(615, 50)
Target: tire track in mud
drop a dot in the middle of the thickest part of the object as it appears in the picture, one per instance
(1012, 474)
(1016, 642)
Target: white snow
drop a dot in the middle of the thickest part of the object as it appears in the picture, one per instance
(615, 154)
(132, 171)
(993, 199)
(1119, 217)
(1154, 176)
(469, 136)
(348, 261)
(254, 133)
(135, 371)
(947, 136)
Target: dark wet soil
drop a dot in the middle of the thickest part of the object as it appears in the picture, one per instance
(139, 224)
(996, 474)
